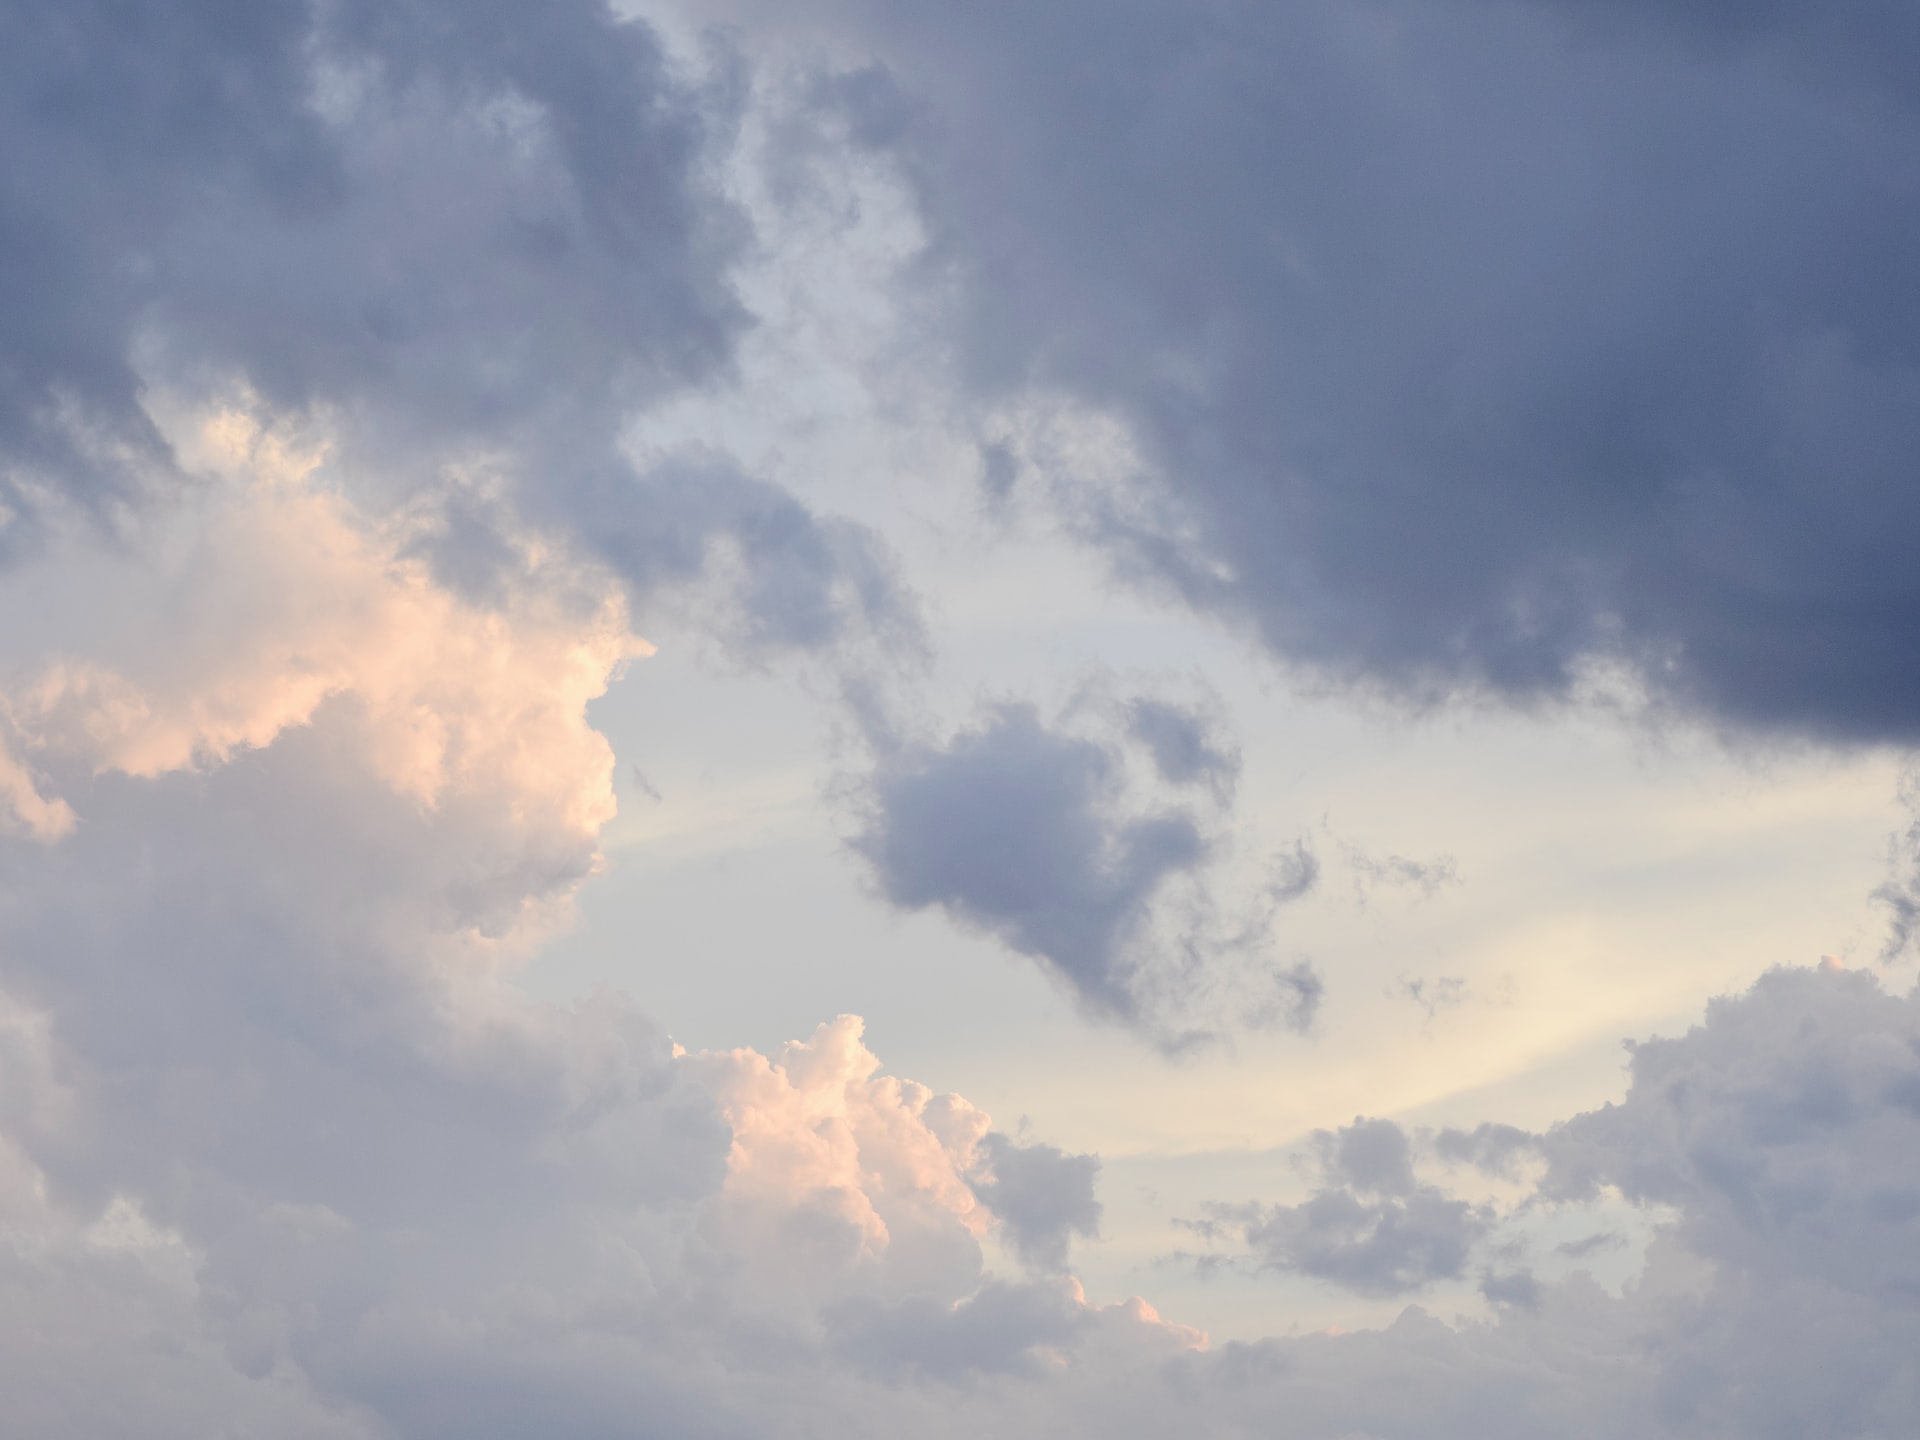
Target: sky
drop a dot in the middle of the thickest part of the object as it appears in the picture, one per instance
(869, 718)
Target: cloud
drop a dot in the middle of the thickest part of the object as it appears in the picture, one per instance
(1369, 1225)
(769, 575)
(1434, 994)
(1042, 1196)
(362, 1188)
(1184, 748)
(1002, 1328)
(1773, 1143)
(1491, 1148)
(298, 766)
(1039, 836)
(469, 243)
(1594, 1244)
(837, 1172)
(1397, 872)
(266, 1092)
(395, 187)
(1899, 892)
(1503, 347)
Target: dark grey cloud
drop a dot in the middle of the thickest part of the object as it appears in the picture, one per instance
(1015, 828)
(1466, 344)
(1493, 1148)
(789, 579)
(1370, 1225)
(441, 211)
(1039, 836)
(1295, 873)
(999, 473)
(997, 1330)
(466, 235)
(1514, 1287)
(1597, 1243)
(1041, 1195)
(1183, 743)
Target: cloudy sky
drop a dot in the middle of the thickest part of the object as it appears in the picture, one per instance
(903, 719)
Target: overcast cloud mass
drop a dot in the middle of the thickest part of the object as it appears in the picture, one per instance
(1471, 355)
(1464, 344)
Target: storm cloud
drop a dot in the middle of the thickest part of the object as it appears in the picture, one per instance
(1497, 347)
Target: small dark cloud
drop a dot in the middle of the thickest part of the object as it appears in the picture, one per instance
(1587, 1246)
(999, 473)
(1041, 1196)
(1043, 837)
(1018, 830)
(1001, 1328)
(1490, 1148)
(1185, 748)
(876, 111)
(1370, 1155)
(1370, 1225)
(1516, 1288)
(1294, 874)
(786, 579)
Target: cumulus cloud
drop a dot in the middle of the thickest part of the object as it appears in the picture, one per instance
(363, 1188)
(1773, 1141)
(1492, 346)
(265, 1091)
(1041, 836)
